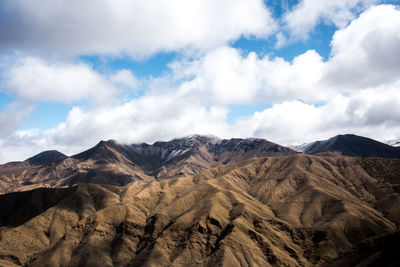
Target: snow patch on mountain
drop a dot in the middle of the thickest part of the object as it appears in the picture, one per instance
(301, 148)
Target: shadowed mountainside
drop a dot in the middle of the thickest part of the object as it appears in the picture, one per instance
(47, 157)
(297, 210)
(116, 164)
(352, 145)
(378, 251)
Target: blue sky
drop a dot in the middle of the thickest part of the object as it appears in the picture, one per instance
(287, 71)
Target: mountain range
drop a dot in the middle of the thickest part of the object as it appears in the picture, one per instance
(117, 164)
(204, 201)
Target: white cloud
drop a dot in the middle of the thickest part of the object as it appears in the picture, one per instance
(13, 115)
(373, 113)
(38, 81)
(304, 17)
(367, 52)
(224, 77)
(149, 118)
(33, 81)
(136, 28)
(125, 78)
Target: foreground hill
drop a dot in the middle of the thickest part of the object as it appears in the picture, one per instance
(298, 210)
(116, 164)
(352, 145)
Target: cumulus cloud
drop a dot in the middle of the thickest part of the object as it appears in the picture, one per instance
(367, 52)
(33, 81)
(304, 17)
(147, 119)
(36, 80)
(225, 76)
(136, 28)
(369, 113)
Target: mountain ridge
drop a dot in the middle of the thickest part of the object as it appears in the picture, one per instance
(110, 162)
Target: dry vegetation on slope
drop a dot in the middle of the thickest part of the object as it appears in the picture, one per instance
(293, 211)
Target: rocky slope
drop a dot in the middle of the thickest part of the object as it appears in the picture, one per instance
(297, 210)
(116, 164)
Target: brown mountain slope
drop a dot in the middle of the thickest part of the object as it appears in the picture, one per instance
(293, 211)
(116, 164)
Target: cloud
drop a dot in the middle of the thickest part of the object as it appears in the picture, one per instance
(124, 78)
(13, 115)
(148, 118)
(367, 52)
(36, 80)
(304, 17)
(134, 28)
(370, 113)
(225, 76)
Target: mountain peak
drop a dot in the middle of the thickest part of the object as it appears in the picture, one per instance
(46, 157)
(98, 151)
(353, 145)
(201, 138)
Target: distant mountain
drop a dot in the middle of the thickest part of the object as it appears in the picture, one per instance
(47, 157)
(41, 159)
(353, 145)
(112, 163)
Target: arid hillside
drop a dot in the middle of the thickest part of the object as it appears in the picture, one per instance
(297, 210)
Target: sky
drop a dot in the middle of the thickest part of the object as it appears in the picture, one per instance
(73, 73)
